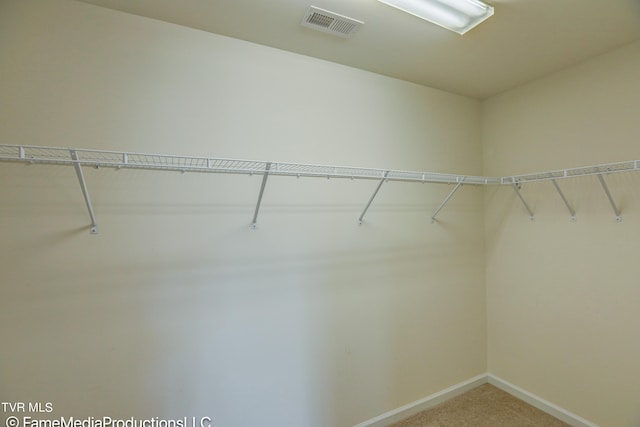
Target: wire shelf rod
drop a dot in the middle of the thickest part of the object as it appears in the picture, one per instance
(79, 158)
(85, 191)
(516, 187)
(616, 211)
(373, 196)
(134, 160)
(572, 212)
(628, 166)
(267, 168)
(444, 202)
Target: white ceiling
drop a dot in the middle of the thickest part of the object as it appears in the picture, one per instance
(524, 40)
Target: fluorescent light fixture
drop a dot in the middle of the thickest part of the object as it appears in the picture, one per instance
(455, 15)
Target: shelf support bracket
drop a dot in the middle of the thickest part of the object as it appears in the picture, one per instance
(516, 187)
(85, 191)
(444, 202)
(262, 186)
(616, 211)
(564, 199)
(373, 196)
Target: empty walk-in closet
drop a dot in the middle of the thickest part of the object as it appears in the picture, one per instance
(379, 242)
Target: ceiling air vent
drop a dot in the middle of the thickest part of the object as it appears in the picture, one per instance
(329, 22)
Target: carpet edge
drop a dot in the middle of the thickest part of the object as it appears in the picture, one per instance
(540, 403)
(420, 405)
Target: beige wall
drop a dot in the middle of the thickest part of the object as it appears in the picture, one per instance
(562, 297)
(177, 308)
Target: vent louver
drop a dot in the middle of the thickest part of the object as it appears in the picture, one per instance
(330, 22)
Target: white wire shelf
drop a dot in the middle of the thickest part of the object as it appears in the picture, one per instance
(78, 158)
(600, 171)
(629, 166)
(120, 160)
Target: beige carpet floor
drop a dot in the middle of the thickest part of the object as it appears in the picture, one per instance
(484, 406)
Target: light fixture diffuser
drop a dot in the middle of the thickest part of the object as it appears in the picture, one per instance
(455, 15)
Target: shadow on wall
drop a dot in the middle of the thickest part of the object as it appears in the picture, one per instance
(180, 309)
(141, 322)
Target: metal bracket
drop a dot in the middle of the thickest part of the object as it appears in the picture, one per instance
(85, 191)
(516, 187)
(564, 199)
(262, 186)
(433, 217)
(616, 211)
(373, 196)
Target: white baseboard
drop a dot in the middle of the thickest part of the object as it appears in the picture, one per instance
(425, 403)
(538, 402)
(413, 408)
